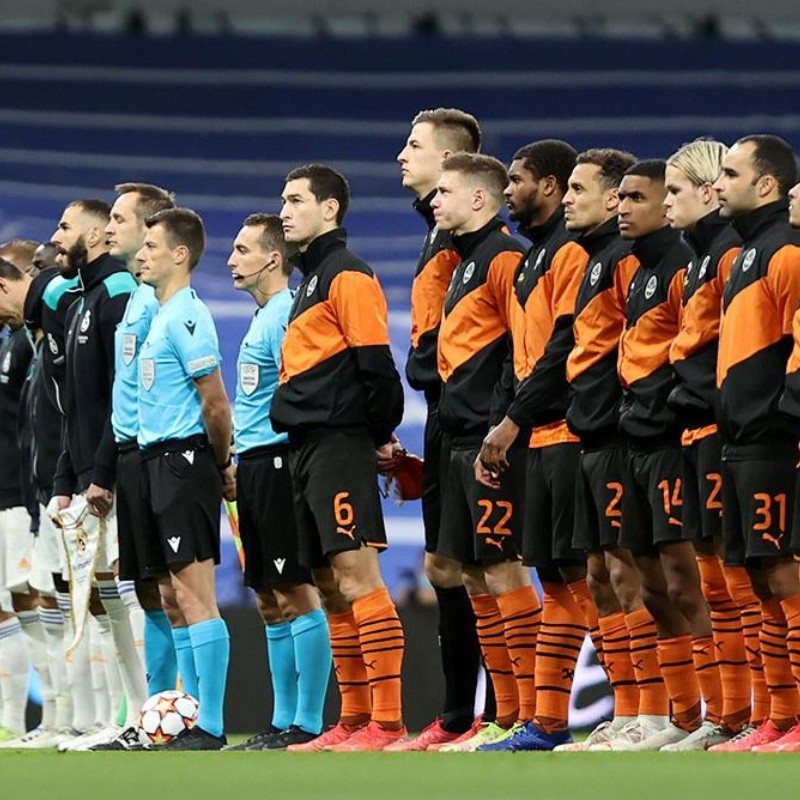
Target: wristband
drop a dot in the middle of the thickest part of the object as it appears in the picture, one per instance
(223, 467)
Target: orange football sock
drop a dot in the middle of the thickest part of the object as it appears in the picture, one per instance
(707, 670)
(791, 610)
(618, 664)
(784, 699)
(653, 697)
(677, 667)
(521, 611)
(726, 630)
(492, 638)
(580, 591)
(560, 638)
(741, 590)
(348, 664)
(382, 644)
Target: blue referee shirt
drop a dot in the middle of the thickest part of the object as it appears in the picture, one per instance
(257, 375)
(128, 339)
(182, 345)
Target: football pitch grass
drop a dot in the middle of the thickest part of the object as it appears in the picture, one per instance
(389, 776)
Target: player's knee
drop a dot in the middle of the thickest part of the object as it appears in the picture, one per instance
(295, 600)
(506, 576)
(332, 600)
(474, 580)
(599, 585)
(443, 572)
(269, 608)
(627, 590)
(782, 579)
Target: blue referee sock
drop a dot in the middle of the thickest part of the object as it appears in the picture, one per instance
(312, 657)
(282, 668)
(185, 660)
(159, 652)
(212, 651)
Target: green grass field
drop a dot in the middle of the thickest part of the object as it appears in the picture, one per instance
(379, 776)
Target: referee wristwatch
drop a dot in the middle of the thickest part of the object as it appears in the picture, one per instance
(223, 467)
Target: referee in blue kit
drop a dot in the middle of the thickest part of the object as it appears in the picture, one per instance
(184, 436)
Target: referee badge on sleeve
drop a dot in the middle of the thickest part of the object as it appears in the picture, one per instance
(128, 348)
(147, 372)
(248, 378)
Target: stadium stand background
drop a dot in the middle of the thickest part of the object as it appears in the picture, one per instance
(221, 119)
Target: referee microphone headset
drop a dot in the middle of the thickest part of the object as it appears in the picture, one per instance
(270, 264)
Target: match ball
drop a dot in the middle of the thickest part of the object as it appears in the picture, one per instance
(166, 714)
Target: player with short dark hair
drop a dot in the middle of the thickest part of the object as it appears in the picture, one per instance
(298, 645)
(435, 135)
(340, 398)
(692, 206)
(479, 523)
(652, 503)
(590, 209)
(184, 436)
(759, 427)
(542, 309)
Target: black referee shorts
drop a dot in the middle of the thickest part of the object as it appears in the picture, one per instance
(702, 489)
(550, 494)
(266, 519)
(182, 497)
(140, 554)
(598, 502)
(652, 501)
(480, 525)
(758, 506)
(336, 501)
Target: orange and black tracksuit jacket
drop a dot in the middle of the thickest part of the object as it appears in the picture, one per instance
(474, 337)
(593, 413)
(542, 312)
(755, 339)
(653, 312)
(694, 350)
(336, 366)
(437, 261)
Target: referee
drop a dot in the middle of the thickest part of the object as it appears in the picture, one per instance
(297, 633)
(184, 435)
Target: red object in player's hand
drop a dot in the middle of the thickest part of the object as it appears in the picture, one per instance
(407, 477)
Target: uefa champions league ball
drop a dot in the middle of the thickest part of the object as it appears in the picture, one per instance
(166, 714)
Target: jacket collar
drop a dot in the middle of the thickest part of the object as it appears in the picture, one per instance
(599, 238)
(705, 231)
(95, 272)
(539, 234)
(422, 205)
(650, 248)
(318, 249)
(752, 223)
(467, 242)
